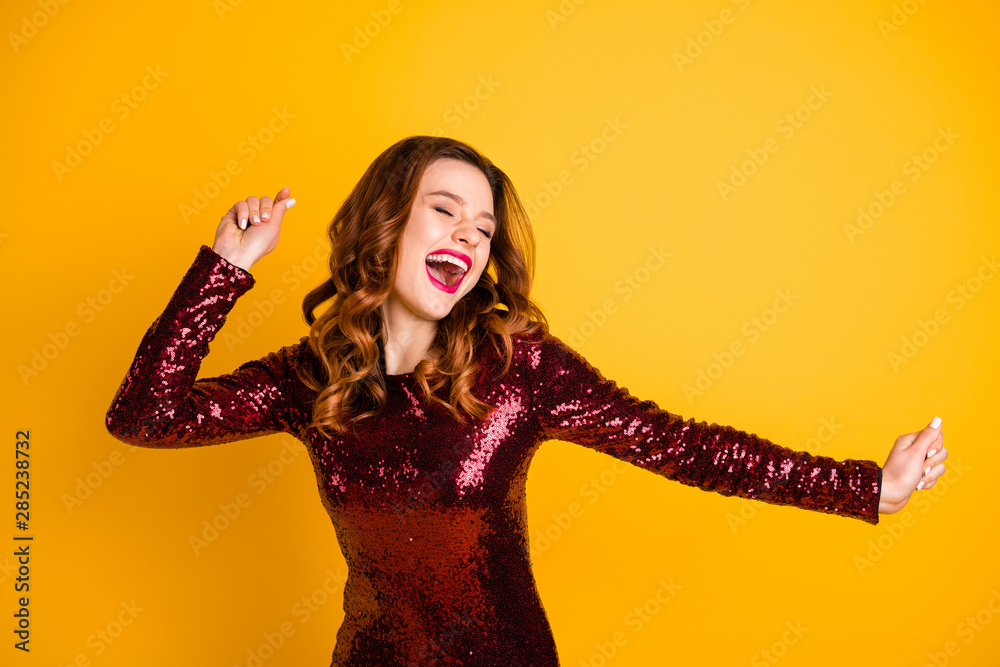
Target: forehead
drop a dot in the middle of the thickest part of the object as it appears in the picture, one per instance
(456, 173)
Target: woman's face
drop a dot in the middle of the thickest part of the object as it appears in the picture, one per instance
(452, 215)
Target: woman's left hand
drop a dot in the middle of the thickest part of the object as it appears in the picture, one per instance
(914, 463)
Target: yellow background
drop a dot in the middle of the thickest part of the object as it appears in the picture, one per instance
(558, 73)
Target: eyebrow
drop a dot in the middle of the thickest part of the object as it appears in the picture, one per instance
(462, 202)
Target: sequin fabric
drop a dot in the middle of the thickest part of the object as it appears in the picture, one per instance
(431, 514)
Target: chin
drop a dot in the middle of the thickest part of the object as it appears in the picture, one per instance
(434, 313)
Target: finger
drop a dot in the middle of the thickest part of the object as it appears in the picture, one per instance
(279, 208)
(254, 205)
(937, 456)
(265, 208)
(937, 445)
(242, 211)
(931, 473)
(928, 482)
(927, 436)
(283, 193)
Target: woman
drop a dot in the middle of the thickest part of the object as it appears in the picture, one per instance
(421, 393)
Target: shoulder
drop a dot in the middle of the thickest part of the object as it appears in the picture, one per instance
(538, 348)
(301, 354)
(539, 342)
(553, 362)
(285, 361)
(296, 351)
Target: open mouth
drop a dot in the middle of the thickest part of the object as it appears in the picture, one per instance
(446, 270)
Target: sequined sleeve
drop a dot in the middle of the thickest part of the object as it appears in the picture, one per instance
(574, 402)
(161, 404)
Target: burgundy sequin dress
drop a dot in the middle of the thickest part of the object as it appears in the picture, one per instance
(430, 514)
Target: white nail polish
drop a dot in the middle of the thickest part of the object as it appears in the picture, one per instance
(931, 453)
(243, 223)
(927, 470)
(921, 485)
(256, 218)
(936, 422)
(290, 203)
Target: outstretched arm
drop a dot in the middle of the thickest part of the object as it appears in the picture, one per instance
(574, 402)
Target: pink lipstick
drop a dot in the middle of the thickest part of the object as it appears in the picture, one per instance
(448, 267)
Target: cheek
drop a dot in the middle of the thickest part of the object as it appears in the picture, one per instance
(483, 263)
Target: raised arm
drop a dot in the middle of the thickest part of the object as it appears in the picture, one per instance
(574, 402)
(160, 403)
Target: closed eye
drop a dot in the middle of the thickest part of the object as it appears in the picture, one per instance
(440, 209)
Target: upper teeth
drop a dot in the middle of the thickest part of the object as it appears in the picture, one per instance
(441, 257)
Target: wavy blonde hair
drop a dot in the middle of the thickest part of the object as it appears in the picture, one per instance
(365, 233)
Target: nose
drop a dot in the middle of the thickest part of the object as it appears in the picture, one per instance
(466, 234)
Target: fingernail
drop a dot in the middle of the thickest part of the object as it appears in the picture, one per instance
(936, 422)
(931, 453)
(290, 203)
(921, 485)
(243, 223)
(256, 218)
(927, 470)
(265, 215)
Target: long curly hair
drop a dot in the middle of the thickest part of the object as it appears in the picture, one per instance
(347, 337)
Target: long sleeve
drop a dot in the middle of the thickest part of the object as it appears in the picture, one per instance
(160, 403)
(576, 403)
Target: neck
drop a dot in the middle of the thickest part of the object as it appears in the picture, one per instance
(406, 338)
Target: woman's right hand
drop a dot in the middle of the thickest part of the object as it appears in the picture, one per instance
(250, 229)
